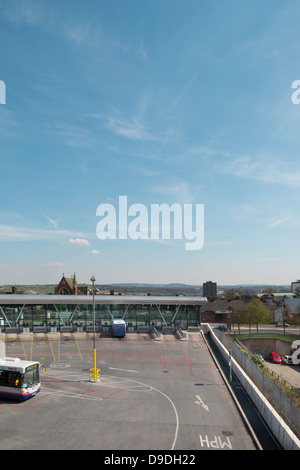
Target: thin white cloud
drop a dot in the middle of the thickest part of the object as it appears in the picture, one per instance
(267, 259)
(263, 168)
(179, 192)
(141, 51)
(278, 222)
(24, 11)
(137, 130)
(133, 130)
(144, 171)
(217, 243)
(53, 222)
(9, 127)
(55, 264)
(243, 167)
(73, 135)
(94, 252)
(41, 14)
(182, 93)
(79, 241)
(81, 34)
(10, 233)
(142, 124)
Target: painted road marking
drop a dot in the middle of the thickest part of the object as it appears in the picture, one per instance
(201, 403)
(51, 347)
(215, 443)
(77, 347)
(57, 365)
(179, 357)
(124, 370)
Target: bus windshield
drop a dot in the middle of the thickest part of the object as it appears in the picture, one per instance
(31, 376)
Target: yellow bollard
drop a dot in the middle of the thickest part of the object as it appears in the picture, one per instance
(94, 376)
(95, 370)
(94, 373)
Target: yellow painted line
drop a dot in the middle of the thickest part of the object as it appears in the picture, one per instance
(31, 348)
(23, 348)
(78, 347)
(4, 347)
(58, 348)
(51, 348)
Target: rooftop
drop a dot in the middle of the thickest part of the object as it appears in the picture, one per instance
(15, 299)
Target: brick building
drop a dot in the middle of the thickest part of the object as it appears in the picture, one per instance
(209, 289)
(69, 286)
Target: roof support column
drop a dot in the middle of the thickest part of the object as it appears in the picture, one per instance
(176, 311)
(108, 309)
(72, 314)
(59, 315)
(5, 317)
(157, 306)
(18, 317)
(126, 310)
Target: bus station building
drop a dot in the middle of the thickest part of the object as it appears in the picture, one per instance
(57, 312)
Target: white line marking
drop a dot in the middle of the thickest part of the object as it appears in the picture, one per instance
(124, 370)
(71, 395)
(200, 402)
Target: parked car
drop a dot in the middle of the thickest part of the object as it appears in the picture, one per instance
(282, 324)
(274, 357)
(288, 360)
(260, 356)
(220, 327)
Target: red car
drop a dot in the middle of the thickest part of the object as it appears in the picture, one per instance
(274, 357)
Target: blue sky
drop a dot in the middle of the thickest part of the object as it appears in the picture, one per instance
(162, 101)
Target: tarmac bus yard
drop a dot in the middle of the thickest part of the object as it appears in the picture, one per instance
(166, 395)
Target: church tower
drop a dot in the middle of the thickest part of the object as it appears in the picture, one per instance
(74, 285)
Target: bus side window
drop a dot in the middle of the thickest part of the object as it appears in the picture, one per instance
(12, 379)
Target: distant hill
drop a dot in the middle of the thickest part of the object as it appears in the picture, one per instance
(144, 288)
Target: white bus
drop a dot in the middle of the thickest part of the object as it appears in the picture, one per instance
(18, 379)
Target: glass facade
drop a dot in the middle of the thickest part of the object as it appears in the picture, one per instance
(81, 315)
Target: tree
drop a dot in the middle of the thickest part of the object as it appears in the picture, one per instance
(285, 315)
(269, 290)
(237, 316)
(257, 313)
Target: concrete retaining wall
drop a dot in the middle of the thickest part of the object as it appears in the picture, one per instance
(281, 431)
(265, 346)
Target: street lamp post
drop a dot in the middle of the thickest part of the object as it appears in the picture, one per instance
(95, 372)
(93, 281)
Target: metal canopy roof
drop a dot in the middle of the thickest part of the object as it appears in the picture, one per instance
(15, 299)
